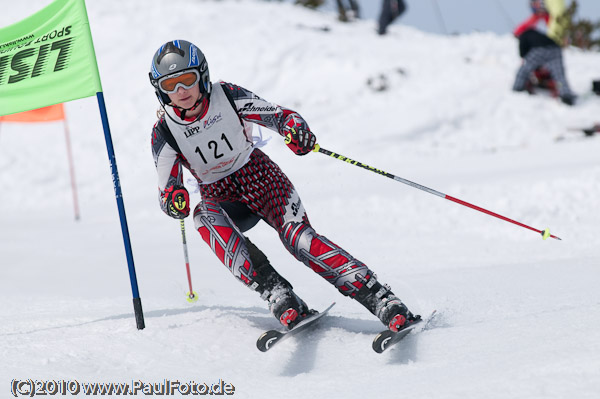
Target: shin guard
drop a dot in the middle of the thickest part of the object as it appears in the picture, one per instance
(325, 258)
(225, 239)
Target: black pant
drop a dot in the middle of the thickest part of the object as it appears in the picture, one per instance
(390, 10)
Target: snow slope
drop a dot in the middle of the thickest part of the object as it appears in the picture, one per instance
(519, 316)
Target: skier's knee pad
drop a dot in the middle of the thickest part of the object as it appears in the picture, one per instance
(297, 238)
(325, 258)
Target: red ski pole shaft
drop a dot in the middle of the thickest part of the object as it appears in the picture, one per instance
(191, 294)
(545, 233)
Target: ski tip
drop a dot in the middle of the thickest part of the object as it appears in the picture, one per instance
(326, 309)
(381, 341)
(267, 339)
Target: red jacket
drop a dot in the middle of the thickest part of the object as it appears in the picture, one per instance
(531, 23)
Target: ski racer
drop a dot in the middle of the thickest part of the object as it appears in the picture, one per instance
(207, 129)
(540, 39)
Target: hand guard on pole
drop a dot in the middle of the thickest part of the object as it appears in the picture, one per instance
(177, 201)
(300, 141)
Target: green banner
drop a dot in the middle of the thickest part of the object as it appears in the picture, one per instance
(47, 58)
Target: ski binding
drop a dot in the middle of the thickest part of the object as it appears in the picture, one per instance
(270, 338)
(388, 338)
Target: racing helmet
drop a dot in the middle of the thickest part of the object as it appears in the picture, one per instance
(178, 63)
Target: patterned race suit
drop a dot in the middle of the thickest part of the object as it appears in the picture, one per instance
(239, 182)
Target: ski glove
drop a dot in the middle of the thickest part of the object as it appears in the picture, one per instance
(177, 201)
(300, 141)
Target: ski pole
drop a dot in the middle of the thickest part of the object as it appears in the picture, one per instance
(545, 233)
(507, 17)
(440, 16)
(191, 296)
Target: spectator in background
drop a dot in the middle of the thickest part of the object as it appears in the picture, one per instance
(348, 10)
(390, 10)
(310, 3)
(540, 39)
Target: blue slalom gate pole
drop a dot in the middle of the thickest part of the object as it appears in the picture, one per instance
(137, 302)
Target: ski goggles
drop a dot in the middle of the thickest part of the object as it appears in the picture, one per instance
(186, 79)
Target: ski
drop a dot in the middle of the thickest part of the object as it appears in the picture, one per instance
(270, 338)
(587, 131)
(387, 338)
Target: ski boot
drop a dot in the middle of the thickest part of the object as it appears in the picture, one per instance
(284, 304)
(381, 301)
